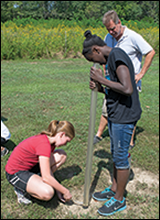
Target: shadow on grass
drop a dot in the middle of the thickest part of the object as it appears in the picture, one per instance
(102, 164)
(67, 172)
(105, 134)
(10, 145)
(138, 130)
(60, 175)
(3, 118)
(52, 204)
(109, 166)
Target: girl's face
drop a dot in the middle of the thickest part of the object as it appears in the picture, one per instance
(96, 57)
(62, 139)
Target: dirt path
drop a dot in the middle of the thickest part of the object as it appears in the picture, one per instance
(143, 181)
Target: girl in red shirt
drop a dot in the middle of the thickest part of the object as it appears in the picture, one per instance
(35, 155)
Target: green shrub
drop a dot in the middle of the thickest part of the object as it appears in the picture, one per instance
(52, 37)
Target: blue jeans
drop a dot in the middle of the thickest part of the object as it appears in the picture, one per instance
(120, 137)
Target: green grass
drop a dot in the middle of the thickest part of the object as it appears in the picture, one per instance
(34, 93)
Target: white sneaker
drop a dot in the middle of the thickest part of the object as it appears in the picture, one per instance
(21, 197)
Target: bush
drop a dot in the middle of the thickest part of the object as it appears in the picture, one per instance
(37, 40)
(146, 22)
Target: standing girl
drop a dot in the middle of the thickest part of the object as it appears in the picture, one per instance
(124, 111)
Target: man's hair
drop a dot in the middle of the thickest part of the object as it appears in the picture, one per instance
(90, 41)
(110, 15)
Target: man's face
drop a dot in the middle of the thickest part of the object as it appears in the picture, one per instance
(114, 29)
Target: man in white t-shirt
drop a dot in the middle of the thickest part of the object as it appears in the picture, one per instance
(134, 45)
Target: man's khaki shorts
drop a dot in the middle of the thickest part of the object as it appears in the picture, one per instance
(104, 108)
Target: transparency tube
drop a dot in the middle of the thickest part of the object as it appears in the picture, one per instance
(90, 144)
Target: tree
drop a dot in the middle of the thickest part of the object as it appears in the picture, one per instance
(79, 10)
(150, 9)
(8, 10)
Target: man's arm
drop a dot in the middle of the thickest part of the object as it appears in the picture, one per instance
(146, 65)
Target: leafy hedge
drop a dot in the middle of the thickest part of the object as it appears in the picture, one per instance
(52, 23)
(36, 40)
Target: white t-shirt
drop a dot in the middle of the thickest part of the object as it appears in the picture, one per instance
(5, 132)
(135, 46)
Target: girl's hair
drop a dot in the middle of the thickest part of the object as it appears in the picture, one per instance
(110, 15)
(90, 41)
(60, 126)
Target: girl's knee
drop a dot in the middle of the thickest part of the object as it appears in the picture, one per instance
(63, 157)
(48, 193)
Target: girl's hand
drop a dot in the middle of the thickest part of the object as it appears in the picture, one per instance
(67, 196)
(64, 197)
(60, 196)
(96, 74)
(92, 85)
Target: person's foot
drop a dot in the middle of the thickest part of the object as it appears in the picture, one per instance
(131, 146)
(22, 197)
(112, 206)
(4, 151)
(103, 195)
(96, 139)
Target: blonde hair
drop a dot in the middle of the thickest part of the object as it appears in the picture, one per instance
(110, 15)
(60, 126)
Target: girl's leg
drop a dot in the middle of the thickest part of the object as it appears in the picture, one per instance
(58, 157)
(38, 189)
(122, 178)
(114, 182)
(56, 160)
(121, 135)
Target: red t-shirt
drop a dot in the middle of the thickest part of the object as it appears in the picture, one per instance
(25, 154)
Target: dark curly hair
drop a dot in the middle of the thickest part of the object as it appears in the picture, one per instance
(90, 41)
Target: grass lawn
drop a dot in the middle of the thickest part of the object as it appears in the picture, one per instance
(35, 92)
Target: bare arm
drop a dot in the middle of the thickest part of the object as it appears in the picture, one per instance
(124, 86)
(146, 65)
(92, 84)
(48, 178)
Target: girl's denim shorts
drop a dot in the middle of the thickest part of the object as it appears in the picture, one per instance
(120, 137)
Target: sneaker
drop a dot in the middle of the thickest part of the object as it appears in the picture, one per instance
(22, 197)
(104, 195)
(4, 151)
(112, 206)
(96, 139)
(131, 146)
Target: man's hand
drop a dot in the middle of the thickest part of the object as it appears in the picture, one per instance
(138, 77)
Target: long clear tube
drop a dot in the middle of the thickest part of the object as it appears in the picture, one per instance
(90, 144)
